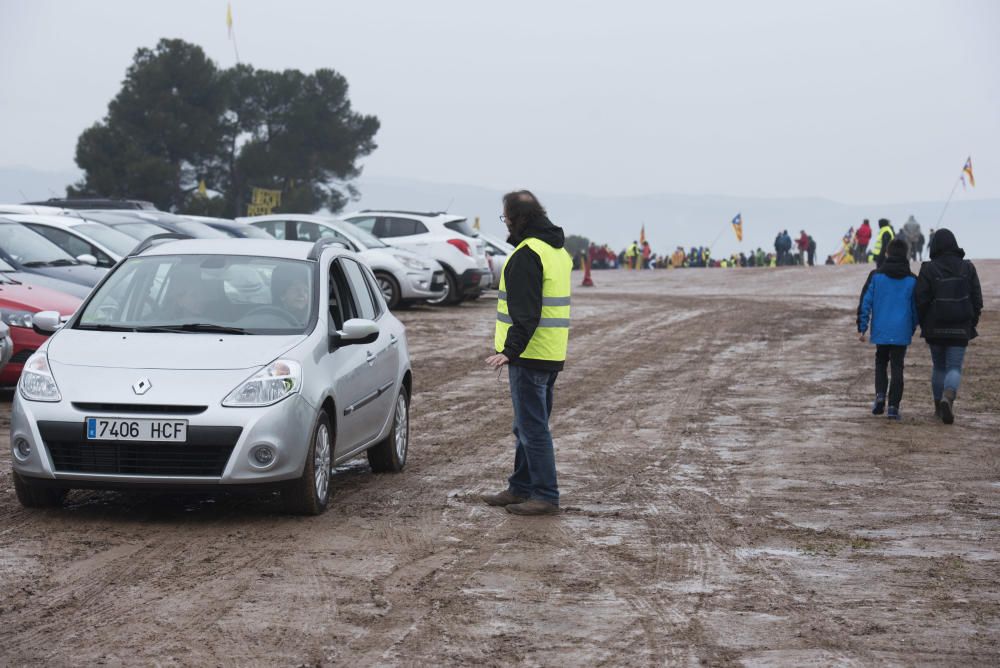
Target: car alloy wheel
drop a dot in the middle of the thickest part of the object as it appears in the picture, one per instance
(402, 427)
(321, 462)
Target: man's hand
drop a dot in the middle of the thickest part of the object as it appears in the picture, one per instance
(497, 361)
(861, 337)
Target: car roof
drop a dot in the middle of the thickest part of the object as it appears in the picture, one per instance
(32, 209)
(292, 250)
(306, 217)
(57, 220)
(436, 217)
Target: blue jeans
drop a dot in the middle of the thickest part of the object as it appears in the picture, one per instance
(534, 474)
(947, 372)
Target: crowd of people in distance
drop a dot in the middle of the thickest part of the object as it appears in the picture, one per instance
(858, 246)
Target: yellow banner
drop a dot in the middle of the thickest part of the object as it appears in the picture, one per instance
(263, 201)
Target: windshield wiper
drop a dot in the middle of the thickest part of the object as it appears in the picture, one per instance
(194, 327)
(104, 327)
(51, 263)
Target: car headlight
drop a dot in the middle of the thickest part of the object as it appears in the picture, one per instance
(37, 382)
(16, 318)
(270, 385)
(411, 262)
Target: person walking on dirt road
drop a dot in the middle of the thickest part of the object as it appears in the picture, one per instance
(531, 338)
(949, 302)
(861, 238)
(887, 302)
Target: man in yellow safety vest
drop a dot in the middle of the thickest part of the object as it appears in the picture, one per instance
(531, 337)
(885, 235)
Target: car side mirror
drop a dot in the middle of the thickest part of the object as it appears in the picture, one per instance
(355, 331)
(87, 258)
(46, 322)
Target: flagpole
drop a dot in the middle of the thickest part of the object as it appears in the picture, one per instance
(948, 201)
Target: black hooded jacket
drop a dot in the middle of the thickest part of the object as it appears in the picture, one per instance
(948, 294)
(523, 281)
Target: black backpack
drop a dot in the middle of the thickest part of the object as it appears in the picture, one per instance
(951, 311)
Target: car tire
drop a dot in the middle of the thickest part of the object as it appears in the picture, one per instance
(389, 455)
(310, 494)
(34, 495)
(390, 289)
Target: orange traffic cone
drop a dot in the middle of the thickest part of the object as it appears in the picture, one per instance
(587, 281)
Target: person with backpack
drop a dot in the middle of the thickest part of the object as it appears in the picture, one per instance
(887, 303)
(949, 301)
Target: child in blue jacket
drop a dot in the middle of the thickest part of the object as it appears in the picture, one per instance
(887, 302)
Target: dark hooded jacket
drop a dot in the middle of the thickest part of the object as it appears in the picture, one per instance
(522, 277)
(948, 295)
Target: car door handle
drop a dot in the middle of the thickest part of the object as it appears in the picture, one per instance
(393, 340)
(370, 357)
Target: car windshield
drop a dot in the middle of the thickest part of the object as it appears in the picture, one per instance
(6, 267)
(114, 240)
(140, 231)
(462, 227)
(229, 294)
(364, 236)
(31, 249)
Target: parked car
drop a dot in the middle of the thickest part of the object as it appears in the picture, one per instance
(448, 239)
(143, 224)
(19, 303)
(96, 203)
(87, 241)
(31, 253)
(10, 274)
(33, 208)
(497, 251)
(232, 228)
(403, 276)
(177, 373)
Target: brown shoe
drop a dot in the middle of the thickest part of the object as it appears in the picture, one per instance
(533, 507)
(504, 498)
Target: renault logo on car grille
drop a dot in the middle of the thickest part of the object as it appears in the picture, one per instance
(142, 386)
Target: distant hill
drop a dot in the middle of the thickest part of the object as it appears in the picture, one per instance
(694, 220)
(671, 220)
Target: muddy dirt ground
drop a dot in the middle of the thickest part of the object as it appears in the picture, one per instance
(727, 499)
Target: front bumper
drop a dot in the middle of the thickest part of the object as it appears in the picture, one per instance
(217, 451)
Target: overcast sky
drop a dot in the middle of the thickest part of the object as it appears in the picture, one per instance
(859, 102)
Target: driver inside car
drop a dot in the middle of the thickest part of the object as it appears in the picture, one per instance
(290, 291)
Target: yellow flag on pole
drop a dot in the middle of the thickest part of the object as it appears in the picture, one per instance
(202, 188)
(229, 19)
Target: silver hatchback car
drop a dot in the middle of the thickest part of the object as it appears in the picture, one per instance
(216, 363)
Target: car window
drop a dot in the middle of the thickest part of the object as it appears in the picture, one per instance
(118, 242)
(367, 239)
(367, 223)
(360, 291)
(70, 243)
(377, 300)
(462, 227)
(31, 249)
(260, 295)
(251, 232)
(341, 304)
(306, 231)
(403, 227)
(330, 233)
(276, 228)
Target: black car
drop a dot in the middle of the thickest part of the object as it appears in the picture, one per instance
(31, 253)
(96, 203)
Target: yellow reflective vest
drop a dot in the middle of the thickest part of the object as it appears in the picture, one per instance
(877, 246)
(551, 338)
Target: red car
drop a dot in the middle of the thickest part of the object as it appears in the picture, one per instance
(18, 304)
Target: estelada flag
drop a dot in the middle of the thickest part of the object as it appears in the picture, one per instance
(642, 234)
(968, 170)
(738, 226)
